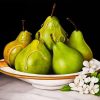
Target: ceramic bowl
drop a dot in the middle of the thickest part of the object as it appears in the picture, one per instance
(50, 82)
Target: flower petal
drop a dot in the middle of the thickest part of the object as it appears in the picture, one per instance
(91, 70)
(91, 63)
(86, 63)
(92, 92)
(96, 86)
(80, 88)
(86, 91)
(96, 90)
(87, 80)
(72, 85)
(76, 80)
(74, 88)
(81, 83)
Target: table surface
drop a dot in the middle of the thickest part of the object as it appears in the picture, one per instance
(15, 89)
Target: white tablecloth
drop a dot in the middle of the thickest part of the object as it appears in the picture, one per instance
(14, 89)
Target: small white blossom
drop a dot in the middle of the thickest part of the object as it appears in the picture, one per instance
(92, 92)
(94, 66)
(91, 63)
(84, 86)
(96, 62)
(80, 89)
(74, 88)
(76, 80)
(81, 83)
(94, 79)
(94, 89)
(87, 80)
(72, 85)
(86, 63)
(82, 76)
(96, 86)
(90, 66)
(86, 91)
(91, 70)
(91, 85)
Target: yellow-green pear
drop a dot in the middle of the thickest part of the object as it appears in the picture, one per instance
(35, 58)
(14, 47)
(77, 41)
(66, 59)
(51, 26)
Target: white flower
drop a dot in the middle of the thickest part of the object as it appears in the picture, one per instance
(79, 88)
(94, 66)
(82, 76)
(85, 84)
(92, 92)
(87, 80)
(96, 62)
(91, 63)
(74, 88)
(85, 70)
(81, 83)
(91, 86)
(72, 85)
(76, 80)
(94, 80)
(94, 89)
(90, 66)
(86, 91)
(86, 63)
(91, 70)
(78, 83)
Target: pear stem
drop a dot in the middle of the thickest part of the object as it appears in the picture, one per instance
(53, 9)
(72, 23)
(52, 38)
(23, 23)
(38, 35)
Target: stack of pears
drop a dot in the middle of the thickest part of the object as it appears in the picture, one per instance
(50, 50)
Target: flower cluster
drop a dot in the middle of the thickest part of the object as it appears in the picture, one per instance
(88, 81)
(85, 84)
(90, 66)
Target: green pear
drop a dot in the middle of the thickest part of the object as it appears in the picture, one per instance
(51, 26)
(35, 58)
(77, 41)
(66, 59)
(14, 47)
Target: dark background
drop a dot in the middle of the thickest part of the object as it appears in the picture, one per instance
(84, 14)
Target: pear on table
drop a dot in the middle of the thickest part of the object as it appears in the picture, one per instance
(35, 58)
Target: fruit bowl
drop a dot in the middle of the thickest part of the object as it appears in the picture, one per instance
(50, 82)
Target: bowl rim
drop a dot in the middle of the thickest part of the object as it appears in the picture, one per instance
(5, 69)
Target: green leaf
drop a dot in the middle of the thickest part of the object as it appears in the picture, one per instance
(98, 76)
(94, 74)
(66, 88)
(98, 94)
